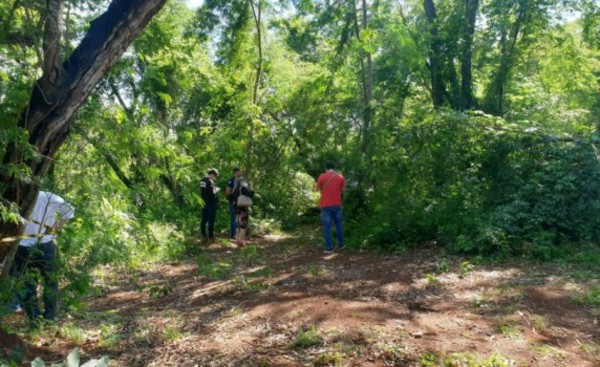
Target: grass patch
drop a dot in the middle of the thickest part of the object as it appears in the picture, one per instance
(537, 322)
(507, 326)
(264, 272)
(328, 359)
(172, 333)
(307, 338)
(108, 335)
(432, 281)
(428, 359)
(313, 270)
(471, 360)
(72, 333)
(547, 350)
(591, 298)
(213, 270)
(591, 349)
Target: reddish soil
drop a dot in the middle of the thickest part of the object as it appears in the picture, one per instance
(250, 307)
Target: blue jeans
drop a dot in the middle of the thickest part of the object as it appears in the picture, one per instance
(329, 214)
(232, 219)
(209, 214)
(41, 257)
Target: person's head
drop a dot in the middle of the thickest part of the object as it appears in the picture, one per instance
(237, 172)
(329, 165)
(212, 173)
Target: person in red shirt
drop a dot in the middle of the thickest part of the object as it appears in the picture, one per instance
(331, 184)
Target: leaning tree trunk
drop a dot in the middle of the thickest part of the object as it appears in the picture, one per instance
(62, 90)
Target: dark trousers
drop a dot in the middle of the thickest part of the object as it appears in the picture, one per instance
(209, 214)
(29, 260)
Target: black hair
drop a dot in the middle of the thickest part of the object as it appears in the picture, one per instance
(236, 169)
(213, 171)
(329, 165)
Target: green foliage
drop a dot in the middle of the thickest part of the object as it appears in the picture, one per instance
(307, 338)
(328, 359)
(482, 185)
(592, 298)
(470, 360)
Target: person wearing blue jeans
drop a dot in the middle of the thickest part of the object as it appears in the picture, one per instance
(36, 256)
(331, 184)
(41, 257)
(237, 172)
(328, 215)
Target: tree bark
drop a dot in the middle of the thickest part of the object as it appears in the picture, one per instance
(437, 87)
(494, 99)
(466, 66)
(62, 90)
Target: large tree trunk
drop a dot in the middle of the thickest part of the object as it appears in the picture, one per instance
(494, 99)
(471, 7)
(61, 91)
(437, 87)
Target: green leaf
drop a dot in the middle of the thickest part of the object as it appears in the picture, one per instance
(73, 358)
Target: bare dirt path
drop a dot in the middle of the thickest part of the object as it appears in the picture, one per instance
(282, 302)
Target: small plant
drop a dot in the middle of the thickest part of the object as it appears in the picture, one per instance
(481, 302)
(73, 360)
(432, 281)
(328, 359)
(442, 265)
(466, 268)
(74, 334)
(314, 270)
(538, 322)
(469, 360)
(429, 359)
(159, 290)
(307, 338)
(507, 327)
(211, 269)
(108, 337)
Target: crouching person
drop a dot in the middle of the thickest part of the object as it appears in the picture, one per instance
(37, 252)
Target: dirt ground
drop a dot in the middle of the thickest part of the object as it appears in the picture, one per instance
(282, 302)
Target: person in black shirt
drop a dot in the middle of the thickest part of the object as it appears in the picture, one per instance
(208, 192)
(237, 172)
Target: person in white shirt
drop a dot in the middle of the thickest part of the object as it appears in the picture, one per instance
(37, 250)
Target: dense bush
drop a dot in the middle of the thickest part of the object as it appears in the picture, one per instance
(479, 184)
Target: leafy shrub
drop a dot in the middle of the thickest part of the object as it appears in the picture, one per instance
(479, 184)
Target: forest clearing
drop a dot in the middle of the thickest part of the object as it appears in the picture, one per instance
(459, 138)
(282, 302)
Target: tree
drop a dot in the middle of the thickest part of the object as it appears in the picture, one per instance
(62, 89)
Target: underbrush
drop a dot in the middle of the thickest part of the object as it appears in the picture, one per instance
(477, 184)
